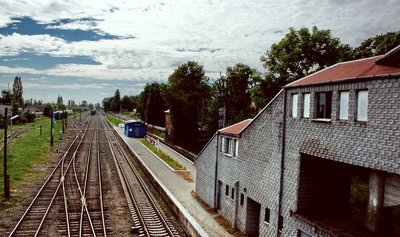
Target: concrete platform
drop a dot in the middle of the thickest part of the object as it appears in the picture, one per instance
(178, 190)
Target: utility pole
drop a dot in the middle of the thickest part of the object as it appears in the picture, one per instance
(51, 129)
(6, 177)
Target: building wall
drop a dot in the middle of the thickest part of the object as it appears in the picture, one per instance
(374, 144)
(205, 172)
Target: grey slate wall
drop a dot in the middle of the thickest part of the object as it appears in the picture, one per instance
(374, 144)
(205, 172)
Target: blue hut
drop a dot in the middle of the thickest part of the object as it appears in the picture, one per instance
(135, 128)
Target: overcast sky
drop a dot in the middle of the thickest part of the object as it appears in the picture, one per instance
(86, 49)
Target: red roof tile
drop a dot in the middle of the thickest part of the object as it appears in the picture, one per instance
(348, 70)
(237, 128)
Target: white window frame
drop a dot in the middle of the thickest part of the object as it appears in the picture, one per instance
(295, 100)
(362, 105)
(306, 105)
(344, 105)
(235, 147)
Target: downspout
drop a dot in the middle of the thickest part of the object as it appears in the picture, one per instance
(216, 172)
(282, 158)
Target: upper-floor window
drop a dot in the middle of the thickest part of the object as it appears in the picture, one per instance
(226, 190)
(306, 105)
(344, 105)
(233, 193)
(323, 105)
(362, 105)
(294, 105)
(229, 146)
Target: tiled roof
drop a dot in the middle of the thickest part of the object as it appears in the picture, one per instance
(362, 68)
(237, 128)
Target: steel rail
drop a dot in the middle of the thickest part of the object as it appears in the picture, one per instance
(142, 185)
(51, 175)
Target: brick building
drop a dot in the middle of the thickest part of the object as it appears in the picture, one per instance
(321, 159)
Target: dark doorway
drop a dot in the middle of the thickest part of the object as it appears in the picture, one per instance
(219, 190)
(252, 218)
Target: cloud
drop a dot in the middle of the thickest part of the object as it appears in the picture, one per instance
(151, 38)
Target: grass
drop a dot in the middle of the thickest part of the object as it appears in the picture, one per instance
(28, 150)
(166, 158)
(220, 219)
(114, 120)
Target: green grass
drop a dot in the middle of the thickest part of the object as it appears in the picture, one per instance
(166, 158)
(114, 120)
(29, 149)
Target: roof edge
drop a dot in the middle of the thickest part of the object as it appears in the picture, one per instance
(331, 66)
(345, 80)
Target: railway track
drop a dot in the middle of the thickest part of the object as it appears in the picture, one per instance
(16, 133)
(34, 217)
(147, 217)
(70, 201)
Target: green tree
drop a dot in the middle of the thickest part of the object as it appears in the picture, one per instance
(237, 97)
(377, 45)
(116, 102)
(154, 104)
(107, 104)
(186, 95)
(18, 100)
(298, 54)
(126, 103)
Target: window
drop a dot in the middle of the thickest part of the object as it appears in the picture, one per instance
(227, 146)
(344, 105)
(362, 105)
(235, 147)
(280, 225)
(301, 233)
(294, 105)
(241, 199)
(323, 105)
(267, 214)
(222, 143)
(306, 105)
(233, 193)
(226, 190)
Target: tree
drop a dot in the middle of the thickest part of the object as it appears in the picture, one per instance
(301, 53)
(126, 103)
(18, 100)
(377, 45)
(237, 97)
(107, 104)
(154, 104)
(116, 102)
(60, 100)
(186, 93)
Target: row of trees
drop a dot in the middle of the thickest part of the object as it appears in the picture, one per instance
(117, 105)
(200, 105)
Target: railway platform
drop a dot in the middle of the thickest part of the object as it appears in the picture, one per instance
(177, 188)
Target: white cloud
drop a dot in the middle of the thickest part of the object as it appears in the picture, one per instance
(153, 31)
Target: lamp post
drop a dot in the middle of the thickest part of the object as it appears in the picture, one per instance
(11, 135)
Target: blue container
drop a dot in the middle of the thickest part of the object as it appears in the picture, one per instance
(135, 129)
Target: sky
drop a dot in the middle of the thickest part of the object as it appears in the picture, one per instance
(86, 49)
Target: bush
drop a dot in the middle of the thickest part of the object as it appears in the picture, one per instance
(28, 117)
